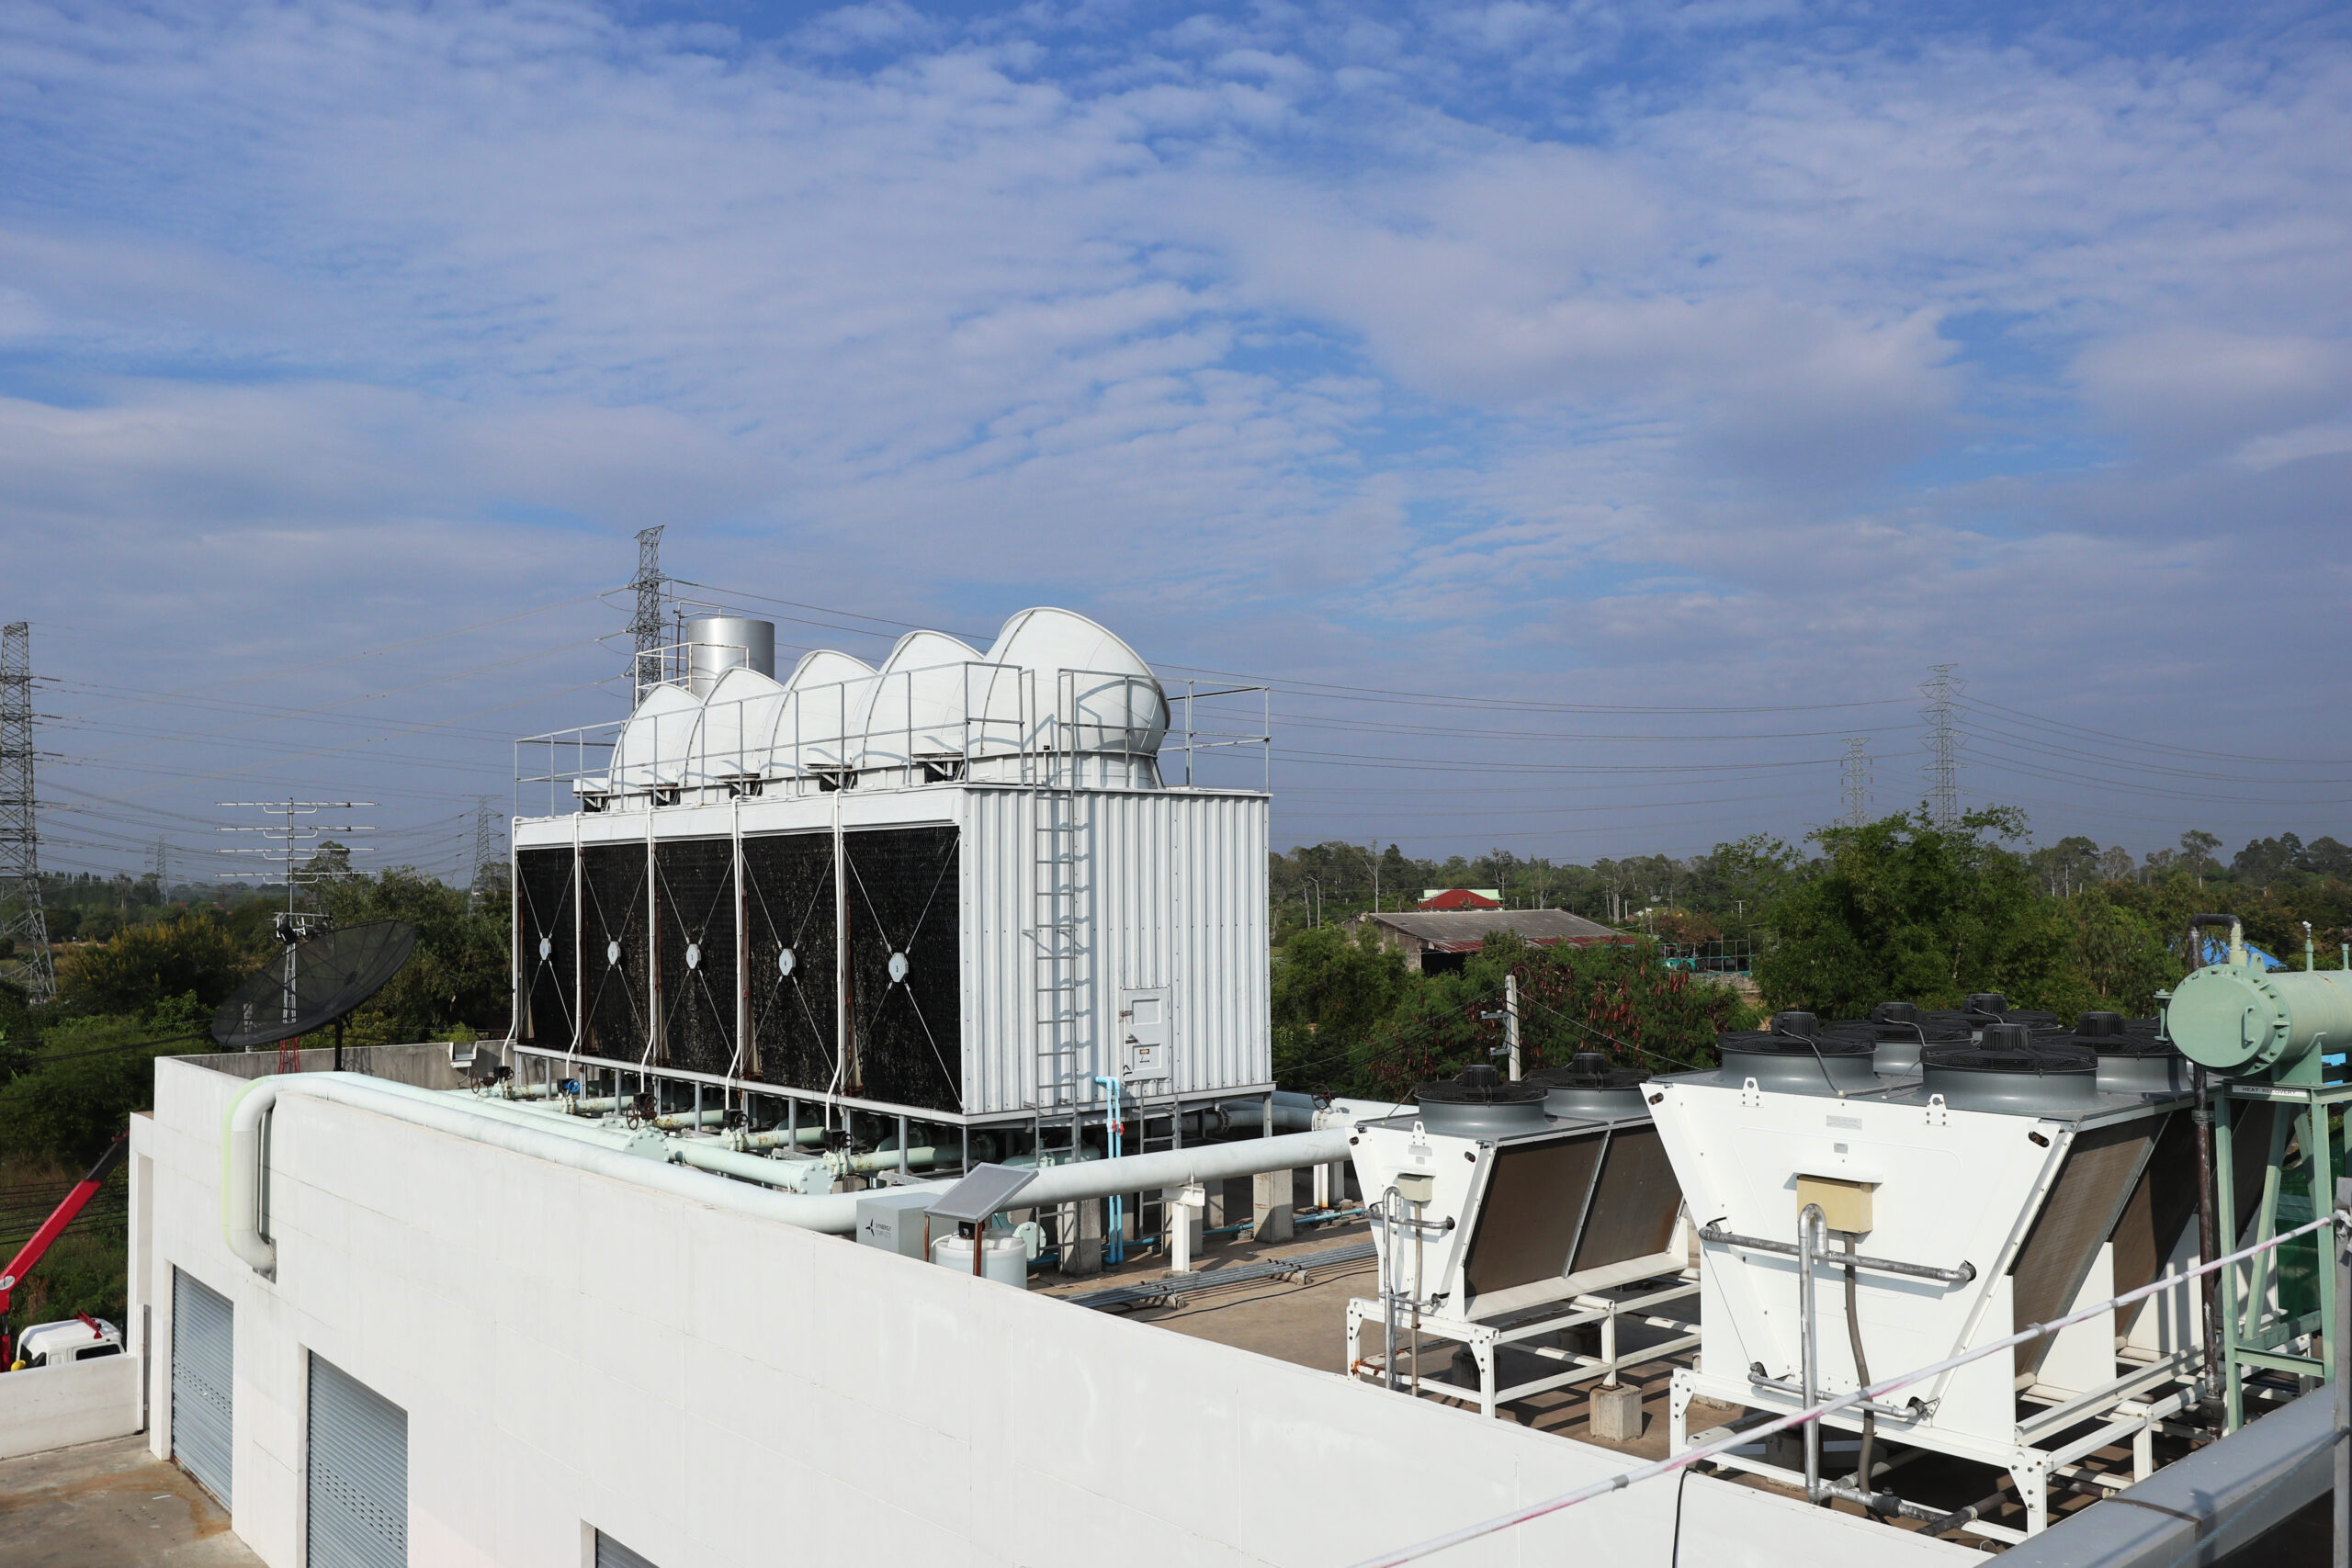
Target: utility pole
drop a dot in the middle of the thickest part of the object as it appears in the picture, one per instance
(19, 821)
(1511, 1019)
(1943, 692)
(1857, 782)
(645, 627)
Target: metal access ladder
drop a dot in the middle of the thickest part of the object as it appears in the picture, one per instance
(1060, 950)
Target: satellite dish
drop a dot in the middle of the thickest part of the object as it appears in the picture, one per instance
(314, 983)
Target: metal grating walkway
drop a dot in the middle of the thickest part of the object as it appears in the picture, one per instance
(1152, 1292)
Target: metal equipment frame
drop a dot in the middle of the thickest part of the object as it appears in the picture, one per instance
(1590, 1303)
(2255, 1332)
(2047, 1444)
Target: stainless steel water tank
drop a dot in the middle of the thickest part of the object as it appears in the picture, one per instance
(715, 644)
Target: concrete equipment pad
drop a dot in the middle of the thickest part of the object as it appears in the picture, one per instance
(110, 1503)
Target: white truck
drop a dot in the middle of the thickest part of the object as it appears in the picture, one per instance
(81, 1338)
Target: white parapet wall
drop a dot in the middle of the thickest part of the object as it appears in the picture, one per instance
(576, 1353)
(56, 1407)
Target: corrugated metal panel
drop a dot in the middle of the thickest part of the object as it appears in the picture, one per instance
(358, 1473)
(1175, 898)
(204, 1366)
(611, 1553)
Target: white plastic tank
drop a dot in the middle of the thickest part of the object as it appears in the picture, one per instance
(1005, 1259)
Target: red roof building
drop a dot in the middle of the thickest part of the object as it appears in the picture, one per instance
(1459, 899)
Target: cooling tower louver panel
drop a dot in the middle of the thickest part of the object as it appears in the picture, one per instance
(617, 972)
(1633, 1204)
(695, 896)
(905, 956)
(789, 907)
(2102, 1165)
(545, 940)
(1527, 1225)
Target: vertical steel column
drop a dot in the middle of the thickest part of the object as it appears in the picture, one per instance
(2338, 1331)
(652, 943)
(514, 924)
(747, 1050)
(841, 950)
(579, 942)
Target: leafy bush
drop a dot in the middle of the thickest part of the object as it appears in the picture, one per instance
(140, 965)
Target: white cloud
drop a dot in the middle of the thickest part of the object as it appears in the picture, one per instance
(1774, 361)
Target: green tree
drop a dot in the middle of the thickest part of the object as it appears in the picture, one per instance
(1902, 909)
(457, 981)
(1332, 991)
(138, 966)
(1622, 1001)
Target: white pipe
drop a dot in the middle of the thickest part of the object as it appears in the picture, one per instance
(1181, 1167)
(540, 1137)
(589, 1146)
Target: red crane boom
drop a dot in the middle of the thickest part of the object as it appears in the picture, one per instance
(29, 1256)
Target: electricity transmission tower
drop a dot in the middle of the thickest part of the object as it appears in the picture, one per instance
(19, 823)
(1857, 782)
(489, 850)
(1943, 692)
(645, 627)
(162, 867)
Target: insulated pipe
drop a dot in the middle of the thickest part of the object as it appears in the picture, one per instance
(545, 1139)
(1181, 1167)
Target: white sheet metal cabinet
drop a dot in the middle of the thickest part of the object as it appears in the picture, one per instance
(204, 1367)
(1172, 889)
(358, 1473)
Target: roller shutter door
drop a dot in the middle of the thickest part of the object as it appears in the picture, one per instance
(611, 1553)
(359, 1491)
(204, 1365)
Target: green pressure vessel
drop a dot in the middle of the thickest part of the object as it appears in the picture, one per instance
(2242, 1021)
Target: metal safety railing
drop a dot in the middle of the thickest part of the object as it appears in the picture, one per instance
(1812, 1413)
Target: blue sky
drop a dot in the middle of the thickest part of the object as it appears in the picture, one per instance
(1727, 356)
